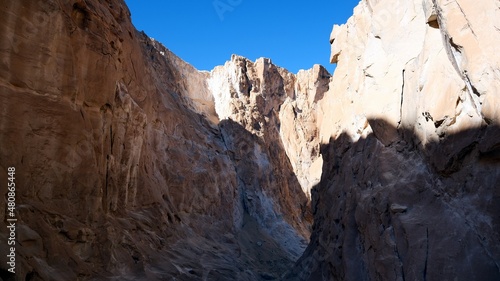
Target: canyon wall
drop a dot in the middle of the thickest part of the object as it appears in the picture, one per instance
(410, 145)
(133, 165)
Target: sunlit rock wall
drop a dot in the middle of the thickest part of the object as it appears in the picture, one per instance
(410, 145)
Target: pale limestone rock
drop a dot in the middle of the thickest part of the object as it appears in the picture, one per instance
(266, 99)
(279, 109)
(298, 129)
(409, 193)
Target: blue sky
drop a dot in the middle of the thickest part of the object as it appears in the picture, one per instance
(294, 34)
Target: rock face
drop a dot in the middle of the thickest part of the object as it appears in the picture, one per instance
(132, 165)
(276, 106)
(411, 176)
(124, 169)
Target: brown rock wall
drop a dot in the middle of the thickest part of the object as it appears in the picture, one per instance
(122, 169)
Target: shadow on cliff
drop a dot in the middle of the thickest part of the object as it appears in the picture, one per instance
(149, 199)
(115, 166)
(274, 212)
(389, 207)
(264, 172)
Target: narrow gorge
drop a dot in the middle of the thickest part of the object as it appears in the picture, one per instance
(133, 165)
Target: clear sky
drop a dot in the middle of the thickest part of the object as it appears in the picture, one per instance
(294, 34)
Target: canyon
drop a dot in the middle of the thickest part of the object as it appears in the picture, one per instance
(133, 165)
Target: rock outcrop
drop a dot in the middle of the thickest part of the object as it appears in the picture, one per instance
(411, 176)
(127, 164)
(133, 165)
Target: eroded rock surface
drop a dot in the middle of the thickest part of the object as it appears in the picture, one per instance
(133, 165)
(411, 175)
(126, 166)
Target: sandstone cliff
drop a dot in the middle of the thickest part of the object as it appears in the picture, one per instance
(124, 169)
(411, 176)
(131, 164)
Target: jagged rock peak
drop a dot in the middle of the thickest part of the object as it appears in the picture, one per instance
(275, 105)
